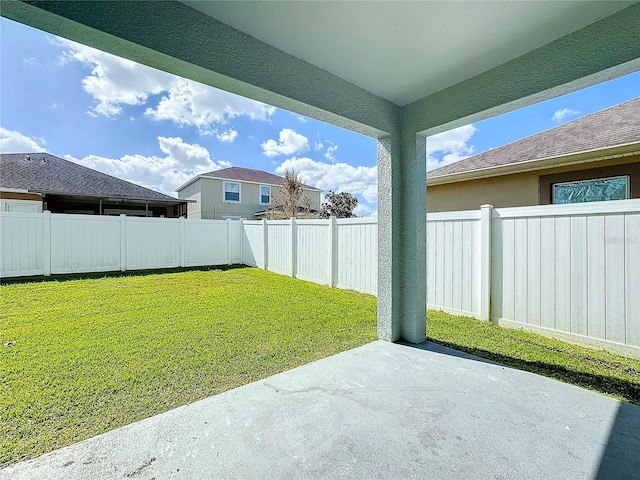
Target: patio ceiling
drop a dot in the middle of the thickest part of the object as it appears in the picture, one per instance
(403, 51)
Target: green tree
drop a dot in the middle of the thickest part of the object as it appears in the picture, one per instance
(339, 205)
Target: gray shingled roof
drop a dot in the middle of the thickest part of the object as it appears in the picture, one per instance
(242, 174)
(618, 125)
(45, 173)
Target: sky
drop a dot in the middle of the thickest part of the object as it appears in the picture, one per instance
(158, 130)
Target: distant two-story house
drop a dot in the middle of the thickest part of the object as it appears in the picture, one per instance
(235, 193)
(33, 182)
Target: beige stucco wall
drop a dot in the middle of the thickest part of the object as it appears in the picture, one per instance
(192, 192)
(506, 191)
(524, 189)
(208, 194)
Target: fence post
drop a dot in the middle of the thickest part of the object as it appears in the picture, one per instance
(123, 242)
(330, 246)
(242, 241)
(265, 241)
(228, 241)
(485, 262)
(294, 246)
(182, 240)
(46, 243)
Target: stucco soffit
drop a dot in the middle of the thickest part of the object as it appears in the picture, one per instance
(599, 52)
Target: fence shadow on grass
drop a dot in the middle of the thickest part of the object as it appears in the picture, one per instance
(116, 274)
(627, 390)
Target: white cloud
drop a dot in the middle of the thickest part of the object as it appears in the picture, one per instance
(12, 141)
(228, 136)
(449, 147)
(289, 142)
(363, 210)
(563, 114)
(318, 145)
(329, 153)
(115, 82)
(181, 162)
(191, 103)
(339, 177)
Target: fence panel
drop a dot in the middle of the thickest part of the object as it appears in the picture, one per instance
(632, 277)
(279, 246)
(356, 254)
(235, 242)
(453, 262)
(252, 243)
(21, 244)
(84, 243)
(572, 269)
(152, 243)
(205, 242)
(312, 243)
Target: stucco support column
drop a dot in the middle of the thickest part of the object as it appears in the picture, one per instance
(402, 238)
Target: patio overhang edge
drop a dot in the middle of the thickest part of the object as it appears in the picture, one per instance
(596, 53)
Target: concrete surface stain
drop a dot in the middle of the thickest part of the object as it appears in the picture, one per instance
(141, 467)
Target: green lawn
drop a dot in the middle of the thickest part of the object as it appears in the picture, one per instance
(83, 356)
(94, 354)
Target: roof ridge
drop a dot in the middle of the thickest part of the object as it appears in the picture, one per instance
(243, 168)
(527, 139)
(570, 122)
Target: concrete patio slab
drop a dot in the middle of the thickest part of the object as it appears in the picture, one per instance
(379, 411)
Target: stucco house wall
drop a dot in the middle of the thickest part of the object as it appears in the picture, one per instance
(208, 194)
(527, 188)
(193, 192)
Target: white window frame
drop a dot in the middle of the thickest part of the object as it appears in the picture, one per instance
(22, 207)
(224, 192)
(553, 185)
(260, 193)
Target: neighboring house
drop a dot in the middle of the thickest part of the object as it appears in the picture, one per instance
(33, 182)
(593, 158)
(236, 192)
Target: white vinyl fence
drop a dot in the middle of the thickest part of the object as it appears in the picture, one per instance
(46, 243)
(573, 270)
(337, 252)
(569, 268)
